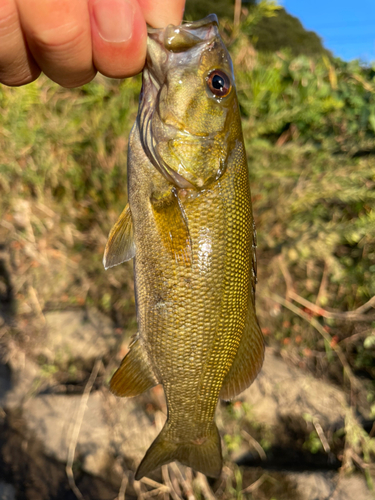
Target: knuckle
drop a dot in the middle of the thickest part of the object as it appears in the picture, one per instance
(7, 15)
(64, 38)
(9, 25)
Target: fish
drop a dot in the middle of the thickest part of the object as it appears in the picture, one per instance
(190, 229)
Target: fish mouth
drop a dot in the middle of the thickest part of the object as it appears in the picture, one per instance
(187, 35)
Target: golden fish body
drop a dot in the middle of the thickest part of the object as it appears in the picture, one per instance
(189, 224)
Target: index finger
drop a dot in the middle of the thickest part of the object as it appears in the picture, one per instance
(119, 34)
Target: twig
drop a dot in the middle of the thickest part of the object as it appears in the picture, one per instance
(174, 481)
(205, 487)
(167, 481)
(323, 284)
(313, 322)
(226, 473)
(255, 485)
(358, 460)
(237, 12)
(322, 437)
(77, 428)
(186, 485)
(38, 308)
(287, 276)
(153, 493)
(122, 490)
(254, 443)
(154, 484)
(138, 490)
(355, 315)
(355, 337)
(370, 303)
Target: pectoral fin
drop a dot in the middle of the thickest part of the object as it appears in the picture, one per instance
(248, 360)
(134, 375)
(173, 227)
(120, 246)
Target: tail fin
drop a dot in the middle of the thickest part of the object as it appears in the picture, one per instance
(205, 457)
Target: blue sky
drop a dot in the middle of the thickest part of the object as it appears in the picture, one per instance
(346, 27)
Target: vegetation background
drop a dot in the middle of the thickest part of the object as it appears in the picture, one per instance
(309, 128)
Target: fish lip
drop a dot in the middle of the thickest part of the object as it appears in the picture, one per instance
(186, 35)
(210, 19)
(191, 25)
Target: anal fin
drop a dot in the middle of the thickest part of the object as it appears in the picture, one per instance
(134, 375)
(120, 246)
(248, 360)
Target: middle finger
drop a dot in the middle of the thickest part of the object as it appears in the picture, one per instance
(59, 37)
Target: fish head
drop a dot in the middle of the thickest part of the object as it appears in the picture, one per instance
(189, 112)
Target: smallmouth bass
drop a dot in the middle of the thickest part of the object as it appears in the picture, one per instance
(190, 227)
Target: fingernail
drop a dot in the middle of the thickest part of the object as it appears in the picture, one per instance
(114, 19)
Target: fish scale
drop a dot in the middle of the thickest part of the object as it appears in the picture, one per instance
(191, 228)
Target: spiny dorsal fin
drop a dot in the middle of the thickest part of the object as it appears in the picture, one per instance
(120, 246)
(173, 227)
(248, 360)
(134, 375)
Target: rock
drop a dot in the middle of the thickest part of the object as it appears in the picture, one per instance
(111, 427)
(281, 390)
(68, 336)
(350, 487)
(7, 491)
(18, 380)
(314, 485)
(79, 334)
(329, 485)
(289, 405)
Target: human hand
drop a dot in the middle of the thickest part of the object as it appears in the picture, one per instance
(69, 40)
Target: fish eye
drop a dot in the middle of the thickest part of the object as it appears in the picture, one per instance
(219, 83)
